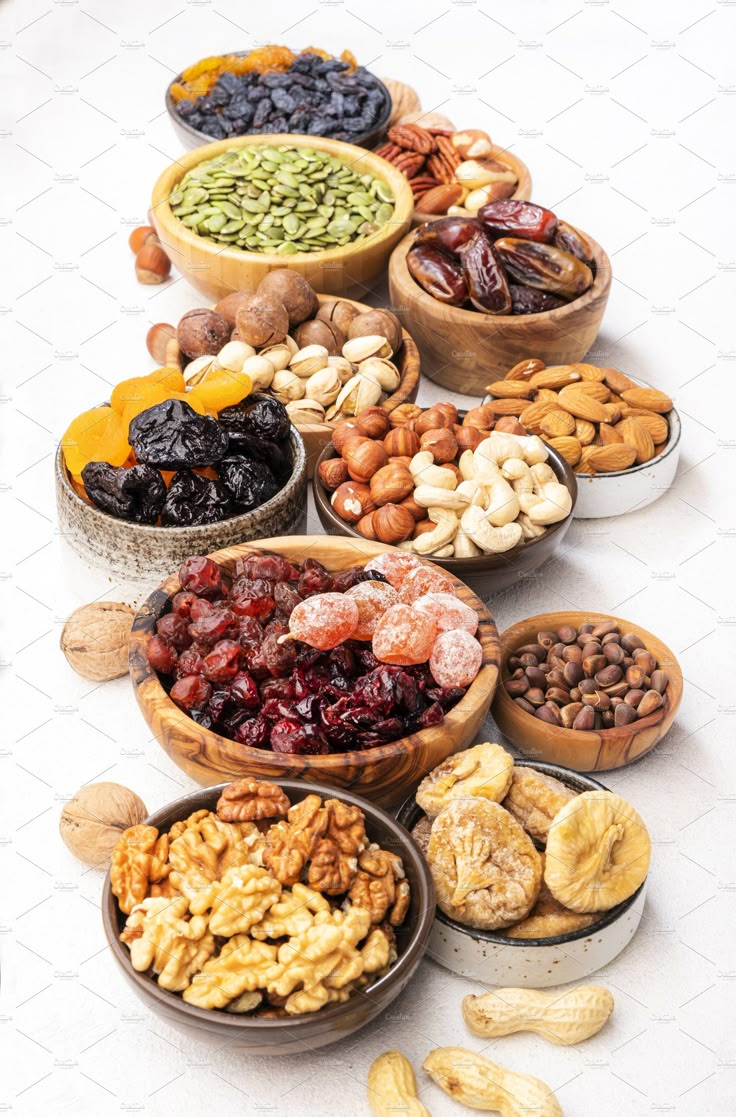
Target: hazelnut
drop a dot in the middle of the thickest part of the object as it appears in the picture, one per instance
(448, 409)
(293, 291)
(140, 236)
(455, 471)
(404, 413)
(352, 501)
(261, 320)
(468, 438)
(400, 459)
(431, 420)
(158, 339)
(201, 332)
(441, 443)
(228, 307)
(345, 429)
(481, 417)
(339, 312)
(391, 484)
(379, 321)
(373, 422)
(392, 523)
(364, 458)
(365, 526)
(317, 332)
(510, 424)
(332, 473)
(422, 526)
(401, 442)
(418, 512)
(152, 265)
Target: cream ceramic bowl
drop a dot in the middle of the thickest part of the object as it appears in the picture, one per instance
(491, 958)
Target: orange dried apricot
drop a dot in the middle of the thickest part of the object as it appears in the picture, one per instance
(97, 435)
(221, 388)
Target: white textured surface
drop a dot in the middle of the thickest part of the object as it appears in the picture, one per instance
(621, 110)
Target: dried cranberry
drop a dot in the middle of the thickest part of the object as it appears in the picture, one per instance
(343, 662)
(277, 659)
(286, 597)
(274, 709)
(253, 732)
(310, 707)
(285, 689)
(201, 575)
(162, 655)
(291, 737)
(219, 624)
(229, 725)
(389, 729)
(222, 663)
(250, 631)
(181, 603)
(191, 693)
(253, 598)
(174, 628)
(191, 662)
(314, 578)
(201, 607)
(273, 567)
(433, 715)
(202, 718)
(218, 704)
(244, 691)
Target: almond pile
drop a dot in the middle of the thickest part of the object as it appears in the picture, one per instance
(599, 419)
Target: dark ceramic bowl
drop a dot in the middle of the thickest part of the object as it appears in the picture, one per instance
(292, 1034)
(484, 573)
(137, 552)
(192, 137)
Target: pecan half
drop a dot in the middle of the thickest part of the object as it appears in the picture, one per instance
(412, 137)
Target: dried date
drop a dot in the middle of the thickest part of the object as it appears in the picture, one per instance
(439, 275)
(544, 267)
(448, 233)
(510, 218)
(571, 240)
(527, 300)
(488, 288)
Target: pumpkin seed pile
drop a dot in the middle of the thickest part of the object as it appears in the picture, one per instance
(281, 200)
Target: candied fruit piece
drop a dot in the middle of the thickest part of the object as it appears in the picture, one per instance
(425, 580)
(394, 565)
(325, 620)
(201, 575)
(447, 612)
(372, 599)
(403, 636)
(98, 435)
(456, 658)
(220, 388)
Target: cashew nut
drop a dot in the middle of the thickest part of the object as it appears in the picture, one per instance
(464, 545)
(445, 552)
(466, 465)
(555, 505)
(429, 496)
(489, 538)
(528, 529)
(516, 469)
(503, 506)
(534, 450)
(542, 474)
(431, 542)
(425, 472)
(527, 501)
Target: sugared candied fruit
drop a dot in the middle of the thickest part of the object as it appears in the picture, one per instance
(394, 565)
(403, 636)
(372, 599)
(422, 581)
(325, 620)
(202, 576)
(456, 658)
(447, 612)
(191, 693)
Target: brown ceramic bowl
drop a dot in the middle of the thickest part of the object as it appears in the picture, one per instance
(293, 1034)
(598, 750)
(384, 774)
(485, 573)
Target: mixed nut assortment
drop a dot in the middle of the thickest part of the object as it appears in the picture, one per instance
(442, 487)
(298, 660)
(513, 258)
(281, 200)
(589, 677)
(511, 848)
(260, 906)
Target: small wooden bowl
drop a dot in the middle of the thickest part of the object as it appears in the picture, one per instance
(583, 751)
(463, 349)
(384, 774)
(216, 269)
(522, 193)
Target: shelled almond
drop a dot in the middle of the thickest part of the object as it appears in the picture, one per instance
(599, 419)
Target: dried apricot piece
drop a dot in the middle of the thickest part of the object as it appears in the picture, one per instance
(221, 388)
(97, 435)
(170, 378)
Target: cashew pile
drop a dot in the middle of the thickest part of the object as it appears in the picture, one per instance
(508, 494)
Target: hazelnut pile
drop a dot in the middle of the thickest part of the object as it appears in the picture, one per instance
(322, 362)
(152, 265)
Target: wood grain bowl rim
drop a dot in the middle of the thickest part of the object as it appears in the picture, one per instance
(459, 316)
(410, 811)
(144, 676)
(418, 934)
(172, 227)
(285, 494)
(504, 155)
(477, 564)
(510, 638)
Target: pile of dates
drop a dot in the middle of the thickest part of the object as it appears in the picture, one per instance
(191, 469)
(513, 258)
(226, 658)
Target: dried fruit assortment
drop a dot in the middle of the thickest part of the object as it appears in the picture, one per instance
(513, 849)
(272, 89)
(282, 200)
(599, 419)
(261, 906)
(299, 660)
(323, 362)
(593, 677)
(513, 258)
(437, 486)
(449, 171)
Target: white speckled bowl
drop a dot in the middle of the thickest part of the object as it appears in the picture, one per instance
(491, 958)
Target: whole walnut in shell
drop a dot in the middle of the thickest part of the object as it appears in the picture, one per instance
(95, 640)
(94, 819)
(261, 320)
(293, 291)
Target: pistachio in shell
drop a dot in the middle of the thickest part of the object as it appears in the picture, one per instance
(95, 640)
(293, 291)
(378, 321)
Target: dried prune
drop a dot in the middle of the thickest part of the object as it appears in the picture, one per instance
(438, 274)
(258, 415)
(136, 494)
(545, 267)
(250, 483)
(276, 455)
(527, 300)
(488, 288)
(193, 500)
(510, 218)
(171, 435)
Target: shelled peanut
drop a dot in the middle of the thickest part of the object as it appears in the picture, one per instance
(599, 419)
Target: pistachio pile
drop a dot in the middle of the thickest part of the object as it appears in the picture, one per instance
(281, 200)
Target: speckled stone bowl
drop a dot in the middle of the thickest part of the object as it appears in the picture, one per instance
(142, 552)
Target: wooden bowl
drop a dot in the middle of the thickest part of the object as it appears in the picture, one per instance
(486, 574)
(522, 193)
(216, 269)
(292, 1034)
(384, 774)
(584, 751)
(463, 349)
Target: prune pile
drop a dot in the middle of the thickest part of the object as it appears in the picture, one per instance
(217, 467)
(316, 97)
(513, 258)
(219, 653)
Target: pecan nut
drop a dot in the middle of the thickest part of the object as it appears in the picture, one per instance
(250, 799)
(413, 138)
(410, 163)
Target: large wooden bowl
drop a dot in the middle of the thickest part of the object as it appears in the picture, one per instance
(385, 774)
(594, 751)
(216, 269)
(463, 349)
(522, 193)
